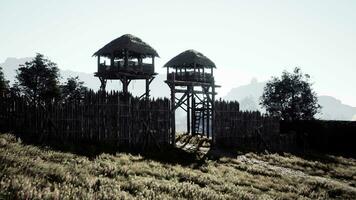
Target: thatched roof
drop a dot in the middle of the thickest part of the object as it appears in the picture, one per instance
(130, 42)
(188, 59)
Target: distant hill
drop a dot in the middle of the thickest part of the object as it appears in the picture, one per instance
(249, 95)
(333, 109)
(11, 65)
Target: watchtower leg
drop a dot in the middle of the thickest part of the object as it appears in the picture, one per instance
(147, 88)
(173, 120)
(103, 83)
(188, 109)
(125, 85)
(213, 114)
(193, 116)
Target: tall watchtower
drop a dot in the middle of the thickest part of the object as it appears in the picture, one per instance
(123, 59)
(190, 76)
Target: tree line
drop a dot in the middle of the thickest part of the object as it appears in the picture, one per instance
(289, 97)
(38, 82)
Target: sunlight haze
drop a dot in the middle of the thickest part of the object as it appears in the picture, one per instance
(245, 39)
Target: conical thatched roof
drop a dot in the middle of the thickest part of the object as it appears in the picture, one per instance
(188, 58)
(131, 43)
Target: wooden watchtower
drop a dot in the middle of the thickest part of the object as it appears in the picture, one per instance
(190, 76)
(123, 59)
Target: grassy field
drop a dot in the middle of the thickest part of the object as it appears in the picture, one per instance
(30, 172)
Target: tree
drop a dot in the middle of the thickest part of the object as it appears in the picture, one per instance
(4, 84)
(290, 97)
(73, 89)
(38, 80)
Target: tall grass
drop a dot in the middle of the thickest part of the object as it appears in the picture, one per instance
(30, 172)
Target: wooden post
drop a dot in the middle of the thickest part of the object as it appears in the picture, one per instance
(208, 119)
(126, 59)
(213, 115)
(208, 110)
(188, 109)
(98, 63)
(195, 65)
(147, 88)
(193, 115)
(112, 61)
(124, 85)
(173, 120)
(203, 114)
(203, 74)
(103, 83)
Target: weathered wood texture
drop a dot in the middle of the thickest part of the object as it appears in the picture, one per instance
(99, 117)
(256, 132)
(327, 136)
(247, 130)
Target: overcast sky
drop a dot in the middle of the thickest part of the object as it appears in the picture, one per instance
(245, 39)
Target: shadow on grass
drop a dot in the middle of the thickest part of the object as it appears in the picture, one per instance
(164, 154)
(194, 157)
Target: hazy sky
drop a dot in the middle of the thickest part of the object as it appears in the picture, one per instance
(245, 39)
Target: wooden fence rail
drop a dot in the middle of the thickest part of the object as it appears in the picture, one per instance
(99, 117)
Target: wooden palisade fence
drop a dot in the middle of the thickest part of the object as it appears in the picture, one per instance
(249, 130)
(254, 131)
(98, 117)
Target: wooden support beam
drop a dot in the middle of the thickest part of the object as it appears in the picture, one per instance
(151, 79)
(183, 108)
(188, 110)
(192, 83)
(126, 58)
(196, 92)
(193, 116)
(208, 121)
(125, 85)
(196, 95)
(206, 90)
(183, 103)
(203, 116)
(143, 95)
(147, 88)
(112, 60)
(181, 100)
(213, 118)
(173, 120)
(98, 62)
(103, 83)
(203, 73)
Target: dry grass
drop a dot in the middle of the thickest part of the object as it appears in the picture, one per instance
(29, 172)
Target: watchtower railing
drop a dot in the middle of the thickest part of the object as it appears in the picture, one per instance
(190, 76)
(132, 67)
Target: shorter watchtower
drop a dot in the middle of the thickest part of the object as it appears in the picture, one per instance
(190, 75)
(123, 59)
